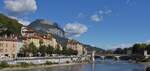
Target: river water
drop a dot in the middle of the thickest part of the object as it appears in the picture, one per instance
(98, 66)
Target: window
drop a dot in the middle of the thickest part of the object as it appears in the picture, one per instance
(5, 50)
(1, 50)
(6, 45)
(1, 44)
(13, 55)
(13, 45)
(6, 55)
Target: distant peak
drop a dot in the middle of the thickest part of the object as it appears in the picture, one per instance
(43, 21)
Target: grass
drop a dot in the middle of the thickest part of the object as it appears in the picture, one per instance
(24, 64)
(48, 63)
(3, 64)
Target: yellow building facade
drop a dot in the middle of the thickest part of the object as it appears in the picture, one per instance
(8, 47)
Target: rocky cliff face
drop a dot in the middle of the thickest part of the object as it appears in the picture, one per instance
(47, 27)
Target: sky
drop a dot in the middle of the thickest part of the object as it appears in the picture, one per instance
(106, 24)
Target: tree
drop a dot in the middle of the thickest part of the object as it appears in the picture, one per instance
(41, 42)
(138, 48)
(125, 50)
(24, 51)
(148, 49)
(50, 50)
(57, 51)
(64, 51)
(33, 49)
(109, 52)
(69, 51)
(118, 51)
(30, 49)
(74, 52)
(42, 50)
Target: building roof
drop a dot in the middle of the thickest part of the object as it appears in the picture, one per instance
(8, 39)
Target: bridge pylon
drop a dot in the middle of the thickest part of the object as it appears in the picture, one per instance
(93, 56)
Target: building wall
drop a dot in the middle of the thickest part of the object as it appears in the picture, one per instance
(76, 46)
(19, 46)
(46, 41)
(35, 41)
(80, 49)
(52, 42)
(32, 36)
(8, 48)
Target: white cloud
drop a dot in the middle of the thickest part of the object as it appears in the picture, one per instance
(96, 18)
(22, 21)
(105, 12)
(108, 12)
(128, 1)
(20, 6)
(75, 29)
(80, 15)
(101, 12)
(99, 15)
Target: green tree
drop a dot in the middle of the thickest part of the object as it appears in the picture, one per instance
(24, 50)
(118, 51)
(41, 42)
(69, 51)
(33, 49)
(64, 51)
(57, 51)
(148, 48)
(139, 48)
(125, 50)
(42, 50)
(74, 52)
(50, 50)
(30, 49)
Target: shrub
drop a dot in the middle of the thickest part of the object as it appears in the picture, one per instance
(24, 64)
(4, 64)
(67, 62)
(48, 63)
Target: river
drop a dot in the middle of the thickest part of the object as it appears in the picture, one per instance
(98, 66)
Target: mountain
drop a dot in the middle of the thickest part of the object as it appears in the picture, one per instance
(9, 26)
(93, 48)
(44, 27)
(47, 27)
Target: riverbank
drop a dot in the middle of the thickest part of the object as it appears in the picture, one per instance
(36, 62)
(144, 63)
(38, 66)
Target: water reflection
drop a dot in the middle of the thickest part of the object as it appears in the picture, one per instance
(93, 66)
(100, 66)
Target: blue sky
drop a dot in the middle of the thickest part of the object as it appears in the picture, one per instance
(103, 23)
